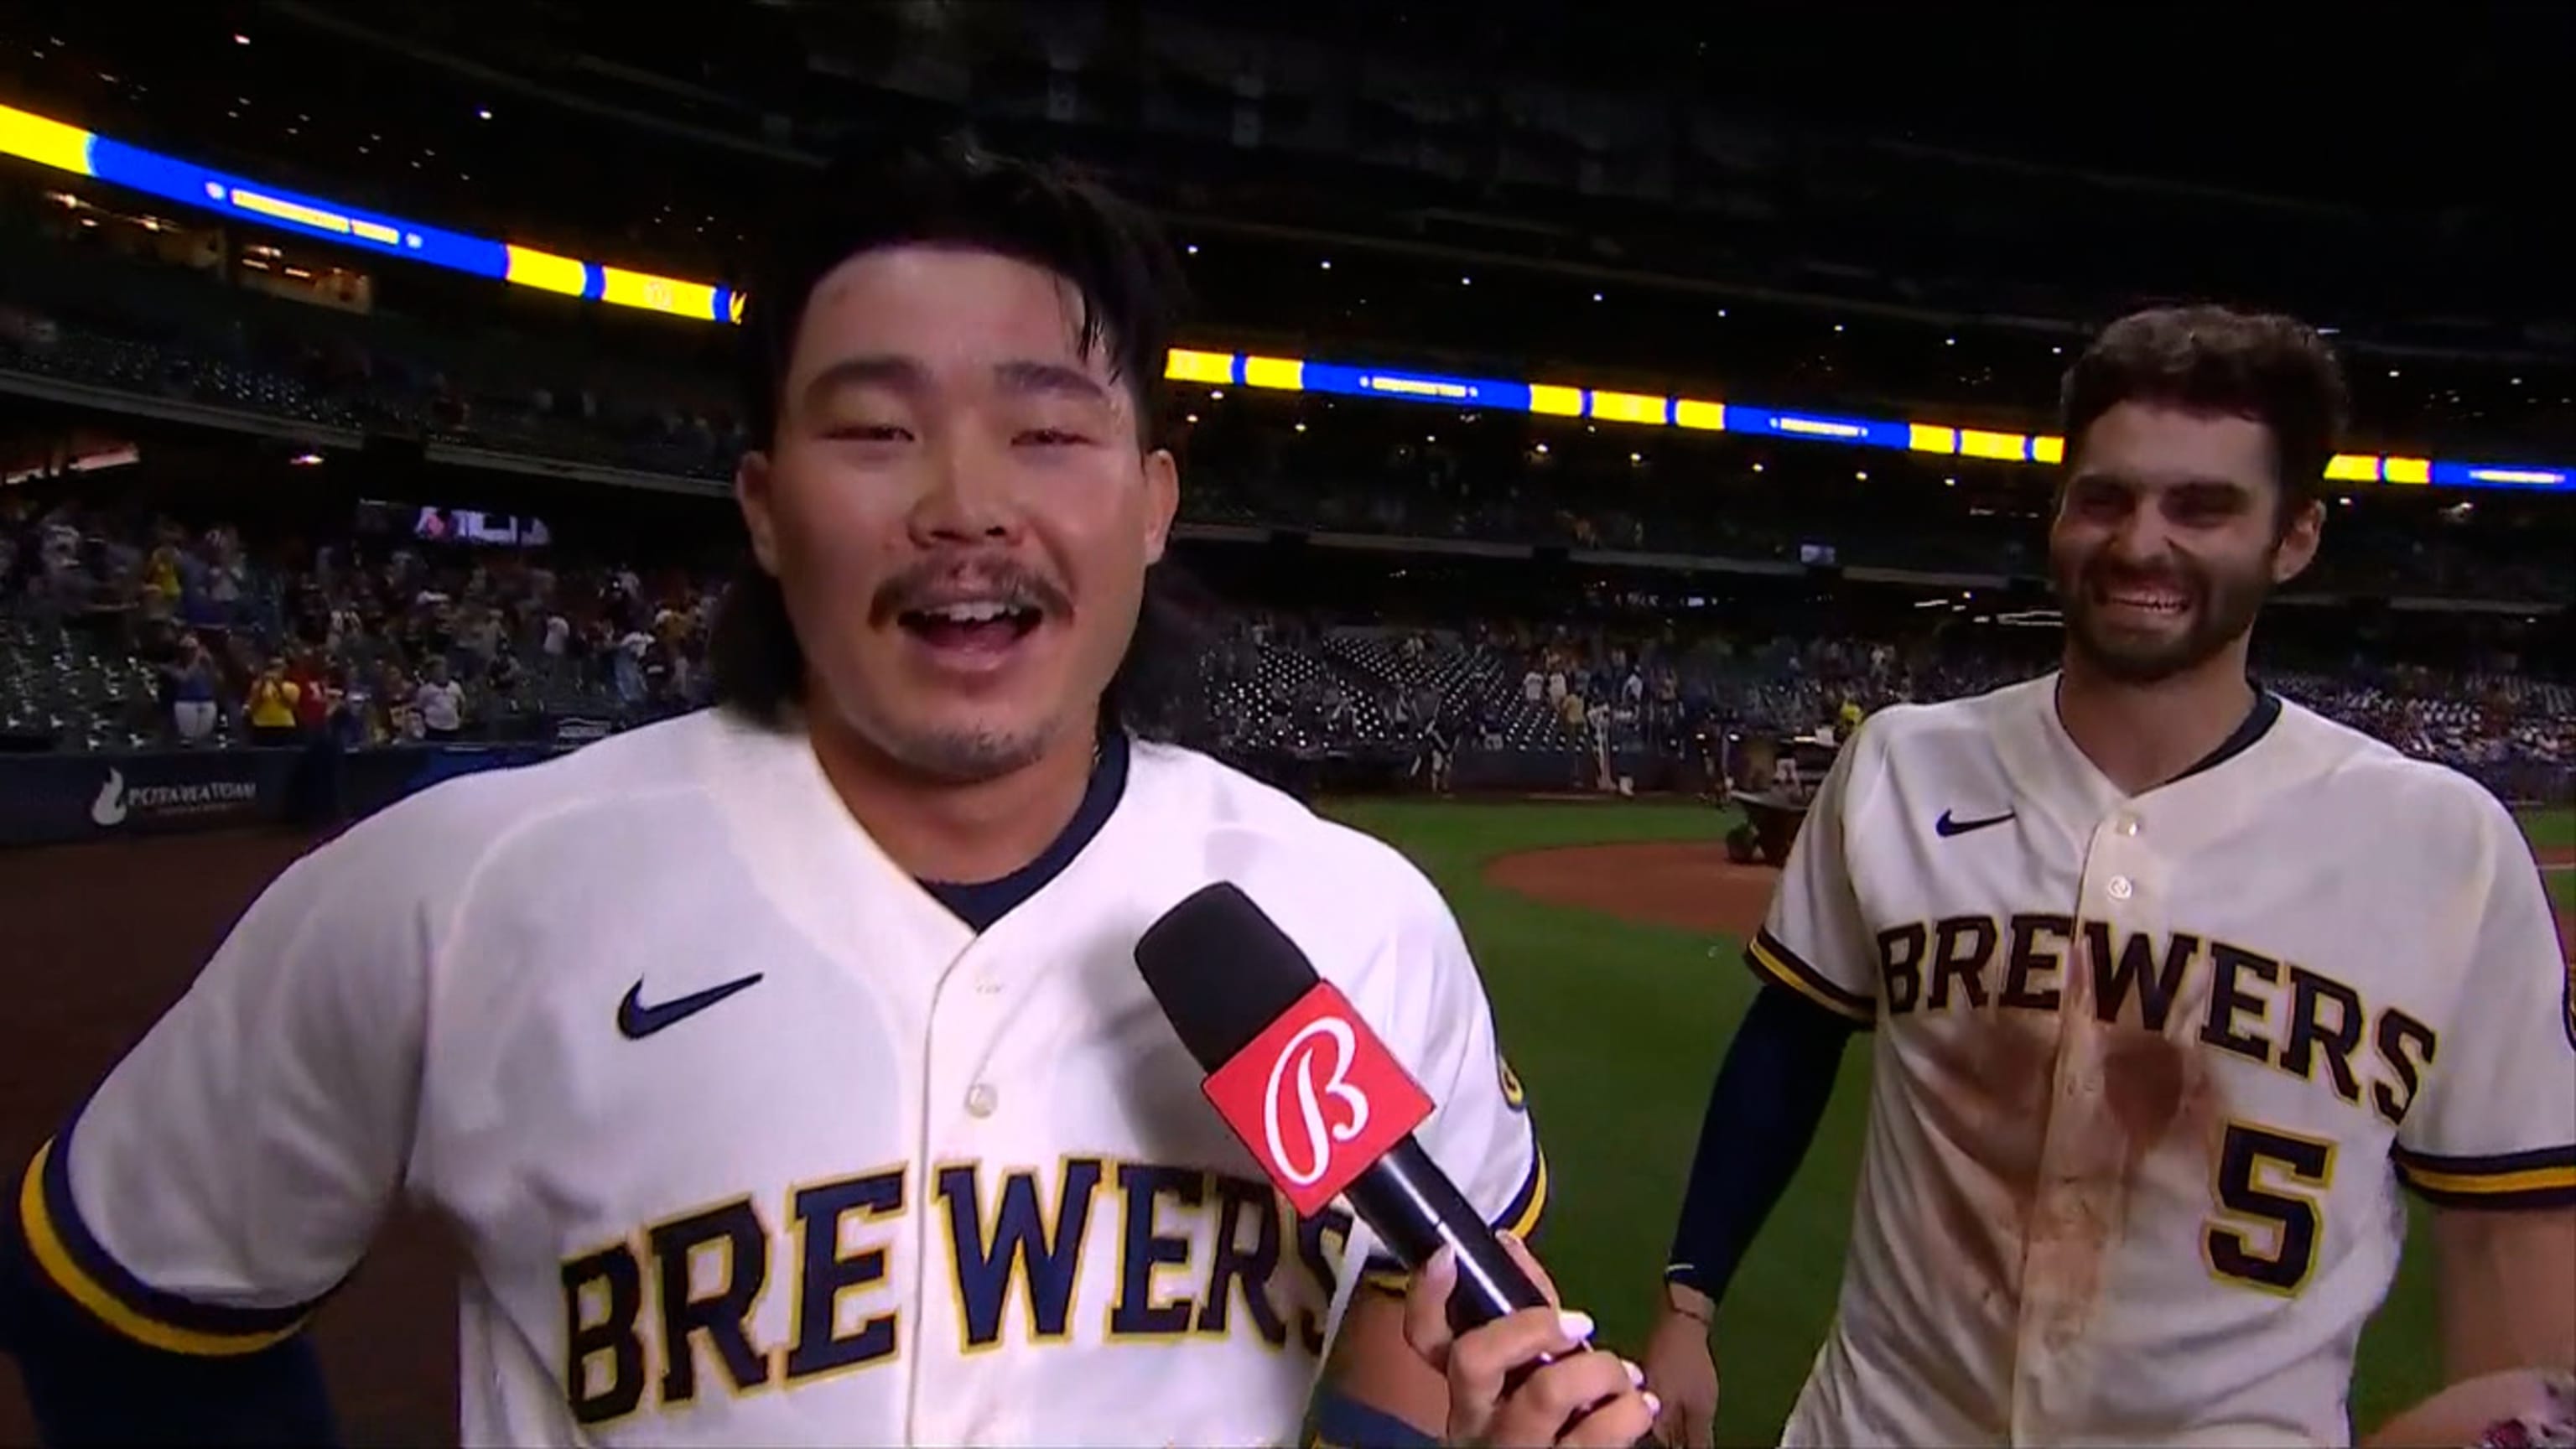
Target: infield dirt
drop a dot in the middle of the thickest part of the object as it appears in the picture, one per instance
(1694, 886)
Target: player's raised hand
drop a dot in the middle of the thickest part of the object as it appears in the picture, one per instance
(1585, 1397)
(1683, 1373)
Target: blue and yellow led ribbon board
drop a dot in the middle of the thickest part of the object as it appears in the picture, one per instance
(51, 143)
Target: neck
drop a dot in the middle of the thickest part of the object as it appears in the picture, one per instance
(2142, 735)
(950, 832)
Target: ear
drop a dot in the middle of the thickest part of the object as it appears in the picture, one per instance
(751, 494)
(1162, 501)
(2299, 539)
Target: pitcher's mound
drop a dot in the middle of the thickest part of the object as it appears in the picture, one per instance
(1690, 884)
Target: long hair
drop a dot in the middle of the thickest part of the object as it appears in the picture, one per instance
(1130, 288)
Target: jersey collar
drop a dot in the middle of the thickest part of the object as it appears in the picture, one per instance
(980, 903)
(2046, 764)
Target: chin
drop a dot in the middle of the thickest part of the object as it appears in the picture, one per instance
(2137, 666)
(969, 748)
(2144, 657)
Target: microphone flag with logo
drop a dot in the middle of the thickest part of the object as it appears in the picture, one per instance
(1319, 1101)
(1317, 1097)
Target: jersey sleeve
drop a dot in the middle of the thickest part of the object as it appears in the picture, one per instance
(1813, 940)
(2494, 1122)
(231, 1169)
(1480, 1132)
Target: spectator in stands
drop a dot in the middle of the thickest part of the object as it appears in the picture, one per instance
(189, 683)
(158, 602)
(555, 643)
(226, 573)
(313, 693)
(270, 705)
(626, 657)
(441, 702)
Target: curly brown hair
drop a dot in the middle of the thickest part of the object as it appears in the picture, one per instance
(2271, 369)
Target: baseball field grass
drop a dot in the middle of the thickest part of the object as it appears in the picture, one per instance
(1616, 1029)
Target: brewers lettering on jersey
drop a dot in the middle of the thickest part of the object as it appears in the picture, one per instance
(756, 1125)
(2149, 1070)
(2174, 984)
(914, 1183)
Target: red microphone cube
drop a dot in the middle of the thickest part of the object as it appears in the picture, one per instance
(1317, 1097)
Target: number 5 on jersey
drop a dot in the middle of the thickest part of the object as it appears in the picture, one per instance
(2270, 1187)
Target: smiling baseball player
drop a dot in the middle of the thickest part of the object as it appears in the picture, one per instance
(785, 1068)
(2174, 984)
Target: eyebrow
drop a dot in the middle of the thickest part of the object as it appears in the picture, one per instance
(2122, 481)
(1024, 377)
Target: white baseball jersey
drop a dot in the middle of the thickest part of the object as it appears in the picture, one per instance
(749, 1138)
(2149, 1070)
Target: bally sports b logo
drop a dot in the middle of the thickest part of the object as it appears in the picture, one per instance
(1305, 1162)
(1317, 1097)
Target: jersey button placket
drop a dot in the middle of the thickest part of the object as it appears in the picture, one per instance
(967, 1014)
(2066, 1244)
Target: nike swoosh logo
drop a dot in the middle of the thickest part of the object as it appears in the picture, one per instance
(636, 1021)
(1945, 827)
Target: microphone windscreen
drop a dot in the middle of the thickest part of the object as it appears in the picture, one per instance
(1222, 970)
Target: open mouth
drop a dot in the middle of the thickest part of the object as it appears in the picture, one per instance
(984, 626)
(2146, 601)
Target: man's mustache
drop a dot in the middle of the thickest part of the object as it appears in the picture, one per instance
(928, 585)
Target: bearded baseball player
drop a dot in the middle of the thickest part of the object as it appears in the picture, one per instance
(785, 1069)
(2174, 985)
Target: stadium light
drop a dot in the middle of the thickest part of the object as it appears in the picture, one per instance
(64, 147)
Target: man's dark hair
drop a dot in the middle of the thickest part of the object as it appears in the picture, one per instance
(2272, 369)
(955, 194)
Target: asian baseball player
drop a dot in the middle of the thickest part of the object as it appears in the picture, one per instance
(2174, 985)
(785, 1069)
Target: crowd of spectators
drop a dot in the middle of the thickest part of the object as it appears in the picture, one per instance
(119, 630)
(1557, 687)
(123, 632)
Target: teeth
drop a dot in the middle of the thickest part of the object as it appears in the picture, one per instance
(976, 613)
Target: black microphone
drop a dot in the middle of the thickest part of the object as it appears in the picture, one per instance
(1249, 1006)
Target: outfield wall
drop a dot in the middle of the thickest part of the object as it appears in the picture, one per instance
(57, 799)
(60, 799)
(54, 799)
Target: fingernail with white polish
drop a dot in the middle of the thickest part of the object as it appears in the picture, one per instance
(1576, 1326)
(1654, 1406)
(1636, 1375)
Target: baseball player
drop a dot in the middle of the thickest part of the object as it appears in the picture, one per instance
(2174, 984)
(784, 1068)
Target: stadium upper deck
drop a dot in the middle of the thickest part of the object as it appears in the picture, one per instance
(63, 147)
(560, 134)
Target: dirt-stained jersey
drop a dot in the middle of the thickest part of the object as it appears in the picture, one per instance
(748, 1138)
(2149, 1070)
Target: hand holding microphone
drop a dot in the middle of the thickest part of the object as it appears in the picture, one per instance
(1530, 1377)
(1329, 1113)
